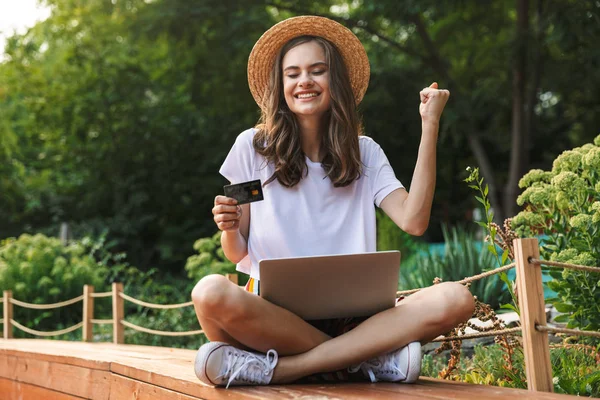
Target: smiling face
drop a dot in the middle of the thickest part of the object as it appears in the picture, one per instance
(306, 80)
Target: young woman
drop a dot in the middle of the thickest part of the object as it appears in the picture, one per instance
(322, 180)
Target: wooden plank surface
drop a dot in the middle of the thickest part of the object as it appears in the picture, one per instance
(126, 388)
(13, 390)
(77, 381)
(8, 366)
(152, 371)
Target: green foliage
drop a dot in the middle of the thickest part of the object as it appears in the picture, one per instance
(39, 269)
(476, 183)
(210, 260)
(462, 257)
(564, 205)
(118, 114)
(162, 289)
(575, 370)
(390, 237)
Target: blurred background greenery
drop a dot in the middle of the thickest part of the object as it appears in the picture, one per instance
(116, 115)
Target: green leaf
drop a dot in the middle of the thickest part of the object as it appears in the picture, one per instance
(562, 318)
(564, 307)
(504, 256)
(509, 307)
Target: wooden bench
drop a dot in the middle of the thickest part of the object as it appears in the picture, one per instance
(60, 370)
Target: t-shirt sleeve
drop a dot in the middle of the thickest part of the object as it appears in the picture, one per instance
(238, 166)
(380, 174)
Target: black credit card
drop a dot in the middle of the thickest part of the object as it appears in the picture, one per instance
(245, 192)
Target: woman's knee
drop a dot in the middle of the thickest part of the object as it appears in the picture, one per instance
(213, 296)
(457, 303)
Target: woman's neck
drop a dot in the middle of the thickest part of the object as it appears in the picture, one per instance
(310, 135)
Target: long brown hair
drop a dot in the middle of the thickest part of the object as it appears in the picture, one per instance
(278, 136)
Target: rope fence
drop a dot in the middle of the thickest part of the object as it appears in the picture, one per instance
(478, 335)
(154, 305)
(46, 306)
(577, 332)
(101, 294)
(102, 321)
(565, 265)
(46, 334)
(161, 333)
(118, 297)
(466, 280)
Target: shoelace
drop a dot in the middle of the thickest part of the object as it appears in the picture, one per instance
(249, 366)
(375, 363)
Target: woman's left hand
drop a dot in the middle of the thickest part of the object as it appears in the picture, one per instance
(433, 101)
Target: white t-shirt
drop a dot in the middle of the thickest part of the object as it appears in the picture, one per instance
(313, 217)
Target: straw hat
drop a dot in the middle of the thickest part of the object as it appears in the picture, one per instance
(266, 48)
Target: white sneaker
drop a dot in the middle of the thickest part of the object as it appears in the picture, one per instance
(220, 364)
(402, 365)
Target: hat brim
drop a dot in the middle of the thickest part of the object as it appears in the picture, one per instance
(262, 57)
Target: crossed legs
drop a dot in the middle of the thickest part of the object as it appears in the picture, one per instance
(228, 313)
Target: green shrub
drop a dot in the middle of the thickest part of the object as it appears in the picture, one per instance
(463, 257)
(39, 269)
(564, 205)
(164, 289)
(576, 370)
(390, 237)
(211, 260)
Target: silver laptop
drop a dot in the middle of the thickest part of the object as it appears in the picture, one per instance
(336, 286)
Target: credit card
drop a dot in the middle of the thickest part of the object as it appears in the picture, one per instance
(245, 192)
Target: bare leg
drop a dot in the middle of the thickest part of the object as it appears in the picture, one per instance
(230, 314)
(421, 317)
(227, 313)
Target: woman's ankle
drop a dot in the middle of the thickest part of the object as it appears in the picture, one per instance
(289, 369)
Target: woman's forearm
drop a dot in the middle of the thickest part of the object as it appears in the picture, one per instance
(235, 245)
(420, 198)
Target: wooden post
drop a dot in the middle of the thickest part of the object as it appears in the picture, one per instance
(118, 313)
(88, 313)
(531, 303)
(8, 314)
(232, 277)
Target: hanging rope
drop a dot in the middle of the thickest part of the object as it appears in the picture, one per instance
(466, 280)
(161, 333)
(40, 333)
(578, 332)
(101, 321)
(478, 335)
(154, 305)
(102, 294)
(46, 306)
(564, 265)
